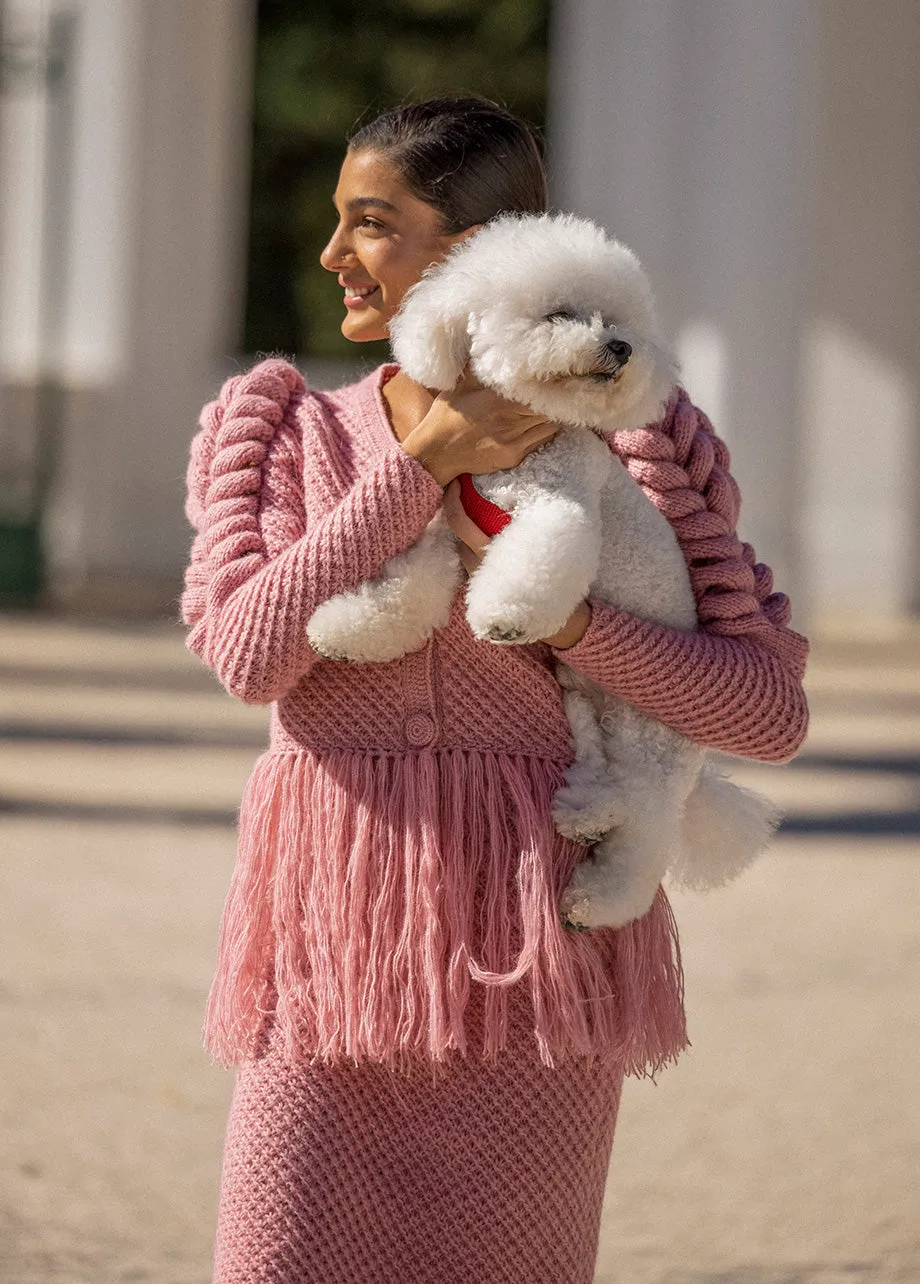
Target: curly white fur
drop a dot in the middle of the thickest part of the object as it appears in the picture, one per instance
(571, 332)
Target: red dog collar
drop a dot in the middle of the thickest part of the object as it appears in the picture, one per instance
(488, 516)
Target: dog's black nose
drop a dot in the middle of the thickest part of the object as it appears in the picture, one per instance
(620, 349)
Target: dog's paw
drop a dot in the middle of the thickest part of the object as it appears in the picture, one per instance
(328, 652)
(504, 633)
(576, 913)
(516, 630)
(578, 829)
(576, 905)
(585, 814)
(588, 837)
(505, 620)
(595, 897)
(573, 927)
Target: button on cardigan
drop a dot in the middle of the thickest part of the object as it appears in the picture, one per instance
(396, 845)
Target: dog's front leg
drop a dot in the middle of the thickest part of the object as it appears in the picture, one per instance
(534, 573)
(394, 614)
(539, 567)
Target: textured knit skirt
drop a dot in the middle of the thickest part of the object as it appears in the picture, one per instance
(484, 1173)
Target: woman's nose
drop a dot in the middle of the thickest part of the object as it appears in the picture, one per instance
(336, 250)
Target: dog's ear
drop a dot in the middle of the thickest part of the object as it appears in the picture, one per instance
(430, 334)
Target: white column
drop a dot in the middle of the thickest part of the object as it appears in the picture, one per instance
(862, 350)
(155, 268)
(22, 135)
(683, 129)
(188, 179)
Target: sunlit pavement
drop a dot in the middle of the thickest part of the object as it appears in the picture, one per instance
(783, 1149)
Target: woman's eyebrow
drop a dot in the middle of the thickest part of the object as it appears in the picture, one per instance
(362, 202)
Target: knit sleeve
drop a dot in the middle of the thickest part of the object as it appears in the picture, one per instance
(736, 683)
(256, 573)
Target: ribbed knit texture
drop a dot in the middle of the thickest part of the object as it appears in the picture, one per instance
(734, 685)
(394, 902)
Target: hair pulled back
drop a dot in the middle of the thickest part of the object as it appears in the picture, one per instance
(468, 158)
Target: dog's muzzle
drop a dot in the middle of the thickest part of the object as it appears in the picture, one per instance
(616, 353)
(620, 350)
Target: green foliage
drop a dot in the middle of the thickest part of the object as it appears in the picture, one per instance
(319, 72)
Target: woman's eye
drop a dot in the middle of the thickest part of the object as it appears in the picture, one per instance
(371, 223)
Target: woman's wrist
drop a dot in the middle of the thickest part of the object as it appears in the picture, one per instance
(574, 629)
(421, 446)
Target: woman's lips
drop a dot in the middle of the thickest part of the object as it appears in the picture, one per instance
(359, 300)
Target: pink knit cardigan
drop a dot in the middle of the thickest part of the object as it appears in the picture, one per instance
(396, 843)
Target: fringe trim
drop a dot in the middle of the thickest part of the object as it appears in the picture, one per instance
(370, 891)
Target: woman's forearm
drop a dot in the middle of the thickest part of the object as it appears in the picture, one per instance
(733, 694)
(257, 574)
(255, 636)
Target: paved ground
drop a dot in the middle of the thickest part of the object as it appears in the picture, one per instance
(785, 1149)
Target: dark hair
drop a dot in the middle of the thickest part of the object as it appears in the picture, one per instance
(466, 157)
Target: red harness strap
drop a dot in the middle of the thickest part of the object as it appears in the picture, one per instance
(487, 516)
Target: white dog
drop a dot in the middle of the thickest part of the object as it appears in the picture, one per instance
(552, 313)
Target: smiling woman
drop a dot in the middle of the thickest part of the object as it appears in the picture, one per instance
(384, 240)
(429, 1063)
(309, 92)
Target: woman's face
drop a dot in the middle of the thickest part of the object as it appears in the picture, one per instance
(384, 240)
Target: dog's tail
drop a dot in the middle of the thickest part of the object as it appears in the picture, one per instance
(725, 828)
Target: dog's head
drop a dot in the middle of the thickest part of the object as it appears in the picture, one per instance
(548, 311)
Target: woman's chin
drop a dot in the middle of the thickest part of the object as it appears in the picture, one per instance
(364, 325)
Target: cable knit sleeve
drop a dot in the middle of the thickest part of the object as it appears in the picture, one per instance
(736, 683)
(256, 573)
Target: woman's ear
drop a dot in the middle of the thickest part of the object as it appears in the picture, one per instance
(429, 334)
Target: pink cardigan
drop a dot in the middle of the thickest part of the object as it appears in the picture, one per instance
(396, 843)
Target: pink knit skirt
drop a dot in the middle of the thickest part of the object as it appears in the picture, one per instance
(482, 1173)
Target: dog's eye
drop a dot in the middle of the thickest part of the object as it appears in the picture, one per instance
(561, 315)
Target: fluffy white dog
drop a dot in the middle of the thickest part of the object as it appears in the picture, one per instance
(552, 313)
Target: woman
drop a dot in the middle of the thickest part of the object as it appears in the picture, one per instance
(404, 1110)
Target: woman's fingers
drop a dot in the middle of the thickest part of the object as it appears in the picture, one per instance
(538, 436)
(467, 381)
(472, 429)
(545, 430)
(490, 408)
(469, 559)
(461, 523)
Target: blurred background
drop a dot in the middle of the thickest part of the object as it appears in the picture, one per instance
(166, 172)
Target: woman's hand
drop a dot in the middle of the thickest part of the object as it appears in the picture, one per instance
(474, 542)
(473, 430)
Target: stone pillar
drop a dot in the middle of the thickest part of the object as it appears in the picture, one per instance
(862, 347)
(153, 272)
(761, 156)
(683, 128)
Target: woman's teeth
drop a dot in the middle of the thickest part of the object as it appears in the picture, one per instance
(355, 295)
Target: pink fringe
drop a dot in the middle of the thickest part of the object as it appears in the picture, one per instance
(372, 889)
